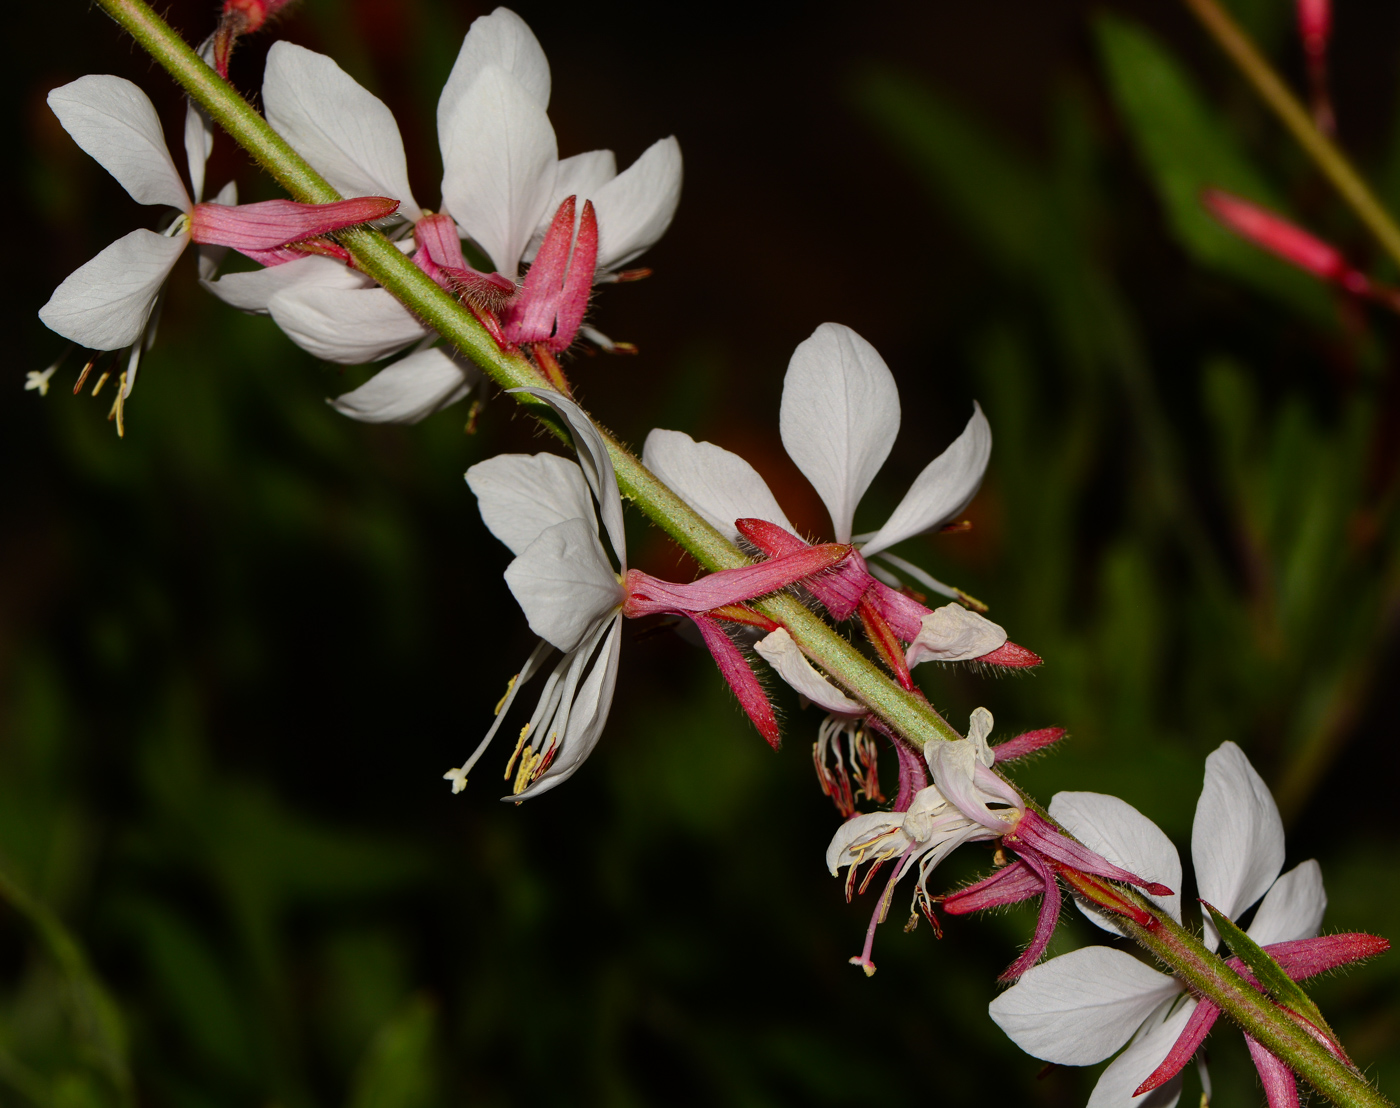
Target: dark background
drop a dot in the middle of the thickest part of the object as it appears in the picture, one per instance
(239, 647)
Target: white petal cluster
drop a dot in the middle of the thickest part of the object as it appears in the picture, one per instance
(1083, 1007)
(543, 508)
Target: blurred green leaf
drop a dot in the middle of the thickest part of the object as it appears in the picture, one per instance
(398, 1070)
(1185, 147)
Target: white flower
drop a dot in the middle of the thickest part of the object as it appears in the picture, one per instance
(1083, 1007)
(501, 172)
(542, 508)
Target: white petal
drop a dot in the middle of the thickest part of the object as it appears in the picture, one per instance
(952, 633)
(116, 123)
(635, 207)
(589, 715)
(564, 583)
(350, 326)
(1294, 907)
(344, 131)
(499, 160)
(411, 389)
(596, 464)
(199, 141)
(1148, 1051)
(501, 39)
(839, 417)
(1116, 830)
(1236, 838)
(943, 489)
(865, 831)
(253, 290)
(1079, 1008)
(721, 486)
(787, 660)
(104, 304)
(979, 730)
(580, 176)
(521, 495)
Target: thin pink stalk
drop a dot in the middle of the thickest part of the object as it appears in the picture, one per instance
(741, 679)
(1280, 1086)
(1045, 921)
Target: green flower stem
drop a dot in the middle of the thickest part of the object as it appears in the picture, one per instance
(911, 716)
(1322, 150)
(380, 259)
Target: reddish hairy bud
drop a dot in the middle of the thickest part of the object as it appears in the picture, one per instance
(238, 18)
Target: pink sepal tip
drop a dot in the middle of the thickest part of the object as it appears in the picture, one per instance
(554, 297)
(277, 223)
(740, 678)
(1028, 742)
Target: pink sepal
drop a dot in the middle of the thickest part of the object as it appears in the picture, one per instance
(1285, 240)
(912, 777)
(1198, 1026)
(741, 679)
(439, 255)
(1042, 838)
(1044, 924)
(554, 298)
(1027, 743)
(838, 592)
(303, 249)
(1280, 1086)
(901, 612)
(1009, 885)
(1304, 958)
(1315, 25)
(273, 223)
(1011, 656)
(647, 595)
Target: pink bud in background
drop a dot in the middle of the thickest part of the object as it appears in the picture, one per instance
(238, 18)
(1315, 28)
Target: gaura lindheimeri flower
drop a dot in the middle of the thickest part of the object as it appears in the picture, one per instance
(543, 508)
(503, 187)
(110, 303)
(968, 802)
(838, 420)
(1083, 1007)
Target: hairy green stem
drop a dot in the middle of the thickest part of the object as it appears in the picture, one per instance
(905, 713)
(1322, 150)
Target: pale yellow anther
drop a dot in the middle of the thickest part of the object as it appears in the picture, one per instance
(510, 687)
(519, 744)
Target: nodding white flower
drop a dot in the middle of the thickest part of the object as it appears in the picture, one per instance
(111, 302)
(500, 188)
(838, 420)
(1085, 1006)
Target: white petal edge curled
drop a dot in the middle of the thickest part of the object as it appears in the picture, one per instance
(636, 206)
(1236, 836)
(839, 417)
(499, 162)
(717, 483)
(410, 390)
(104, 305)
(337, 125)
(952, 633)
(1116, 830)
(520, 495)
(349, 326)
(780, 651)
(1081, 1007)
(116, 123)
(564, 583)
(1293, 908)
(943, 489)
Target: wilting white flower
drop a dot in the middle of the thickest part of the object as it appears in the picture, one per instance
(1083, 1007)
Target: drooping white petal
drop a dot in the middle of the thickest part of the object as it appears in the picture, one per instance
(635, 207)
(564, 583)
(952, 633)
(718, 484)
(105, 304)
(520, 495)
(1293, 908)
(499, 158)
(1236, 837)
(1148, 1050)
(115, 122)
(839, 417)
(1079, 1008)
(342, 129)
(199, 133)
(501, 39)
(943, 489)
(597, 466)
(865, 837)
(780, 651)
(349, 326)
(979, 729)
(411, 389)
(588, 717)
(1116, 830)
(252, 291)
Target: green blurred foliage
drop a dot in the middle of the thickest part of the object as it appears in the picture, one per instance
(249, 637)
